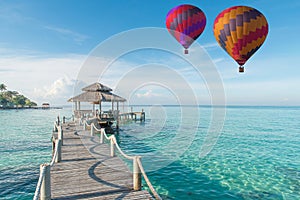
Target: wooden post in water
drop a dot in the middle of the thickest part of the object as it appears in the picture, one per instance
(46, 183)
(112, 148)
(143, 115)
(136, 174)
(58, 157)
(60, 135)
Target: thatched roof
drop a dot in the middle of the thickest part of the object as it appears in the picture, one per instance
(97, 87)
(96, 97)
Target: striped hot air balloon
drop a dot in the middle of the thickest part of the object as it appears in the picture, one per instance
(185, 23)
(240, 31)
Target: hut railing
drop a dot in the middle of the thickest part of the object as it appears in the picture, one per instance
(138, 168)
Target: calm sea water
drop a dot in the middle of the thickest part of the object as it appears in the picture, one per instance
(257, 155)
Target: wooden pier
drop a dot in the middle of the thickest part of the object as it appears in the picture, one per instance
(136, 116)
(84, 167)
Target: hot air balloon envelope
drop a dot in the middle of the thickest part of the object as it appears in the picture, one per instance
(185, 23)
(240, 31)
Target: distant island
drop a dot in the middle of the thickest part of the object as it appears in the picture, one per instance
(13, 99)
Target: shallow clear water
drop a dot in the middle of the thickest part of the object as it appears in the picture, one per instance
(24, 145)
(257, 155)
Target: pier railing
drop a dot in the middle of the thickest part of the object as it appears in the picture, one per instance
(43, 188)
(138, 168)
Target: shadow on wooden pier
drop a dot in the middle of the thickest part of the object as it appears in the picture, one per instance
(85, 167)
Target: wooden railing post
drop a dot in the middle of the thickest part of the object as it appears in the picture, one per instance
(101, 135)
(54, 127)
(137, 182)
(60, 135)
(112, 147)
(46, 183)
(53, 145)
(92, 129)
(84, 126)
(58, 156)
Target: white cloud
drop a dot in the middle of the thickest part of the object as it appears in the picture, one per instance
(32, 75)
(51, 78)
(58, 92)
(13, 14)
(211, 45)
(148, 94)
(77, 37)
(57, 88)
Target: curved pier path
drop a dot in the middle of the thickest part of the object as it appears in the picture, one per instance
(87, 171)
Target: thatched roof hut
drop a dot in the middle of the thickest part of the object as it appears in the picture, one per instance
(96, 96)
(95, 93)
(97, 87)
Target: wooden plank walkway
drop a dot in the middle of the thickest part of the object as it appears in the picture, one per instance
(87, 171)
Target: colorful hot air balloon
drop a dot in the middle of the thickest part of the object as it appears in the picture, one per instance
(185, 23)
(240, 31)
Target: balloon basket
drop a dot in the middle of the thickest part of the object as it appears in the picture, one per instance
(241, 69)
(186, 51)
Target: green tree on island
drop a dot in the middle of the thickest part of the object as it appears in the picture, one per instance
(2, 87)
(9, 99)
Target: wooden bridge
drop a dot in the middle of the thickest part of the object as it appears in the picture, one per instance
(85, 167)
(136, 116)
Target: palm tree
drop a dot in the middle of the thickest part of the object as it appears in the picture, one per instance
(2, 87)
(10, 94)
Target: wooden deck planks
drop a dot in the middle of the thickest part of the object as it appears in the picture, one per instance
(87, 171)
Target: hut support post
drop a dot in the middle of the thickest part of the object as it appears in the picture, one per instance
(46, 183)
(100, 109)
(118, 119)
(136, 174)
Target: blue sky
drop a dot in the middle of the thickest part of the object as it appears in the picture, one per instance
(44, 44)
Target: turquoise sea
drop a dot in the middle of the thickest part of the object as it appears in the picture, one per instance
(257, 155)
